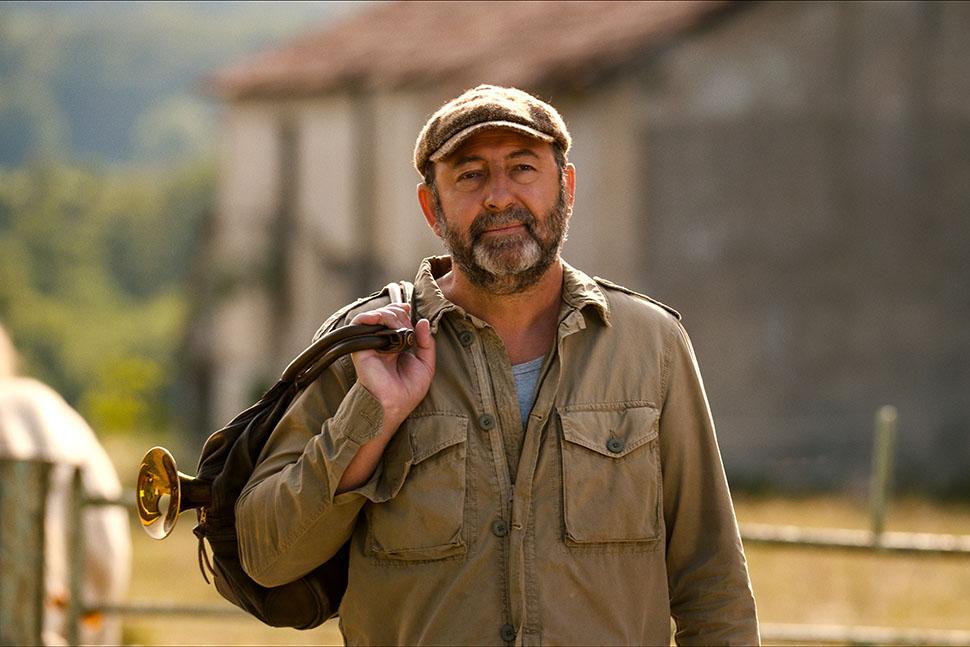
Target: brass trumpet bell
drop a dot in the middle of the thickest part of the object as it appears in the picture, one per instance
(162, 492)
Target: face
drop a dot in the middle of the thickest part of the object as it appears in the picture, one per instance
(501, 205)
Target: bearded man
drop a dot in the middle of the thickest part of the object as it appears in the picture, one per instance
(542, 468)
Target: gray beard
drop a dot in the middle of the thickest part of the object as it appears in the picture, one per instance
(509, 264)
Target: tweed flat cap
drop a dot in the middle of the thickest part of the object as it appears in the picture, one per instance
(485, 107)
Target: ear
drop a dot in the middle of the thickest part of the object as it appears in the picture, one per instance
(426, 200)
(571, 183)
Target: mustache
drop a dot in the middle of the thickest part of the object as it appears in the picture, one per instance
(491, 219)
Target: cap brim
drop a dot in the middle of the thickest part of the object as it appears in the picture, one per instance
(456, 140)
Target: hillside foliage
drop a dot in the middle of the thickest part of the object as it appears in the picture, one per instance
(95, 290)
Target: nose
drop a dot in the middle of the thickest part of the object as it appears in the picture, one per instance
(497, 197)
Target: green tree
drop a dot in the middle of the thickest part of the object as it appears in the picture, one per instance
(92, 283)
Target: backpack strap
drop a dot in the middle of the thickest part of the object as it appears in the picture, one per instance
(403, 292)
(399, 292)
(342, 340)
(394, 292)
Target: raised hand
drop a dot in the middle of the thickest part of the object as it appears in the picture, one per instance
(397, 380)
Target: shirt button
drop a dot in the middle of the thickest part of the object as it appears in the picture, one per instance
(507, 633)
(486, 421)
(466, 337)
(500, 528)
(615, 445)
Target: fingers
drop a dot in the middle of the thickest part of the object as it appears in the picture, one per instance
(398, 315)
(394, 315)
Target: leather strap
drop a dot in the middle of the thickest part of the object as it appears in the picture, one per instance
(351, 338)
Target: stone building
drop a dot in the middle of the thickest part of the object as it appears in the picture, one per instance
(793, 177)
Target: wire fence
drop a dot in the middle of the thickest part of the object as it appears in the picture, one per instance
(24, 487)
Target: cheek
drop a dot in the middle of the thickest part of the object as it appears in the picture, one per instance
(455, 216)
(545, 197)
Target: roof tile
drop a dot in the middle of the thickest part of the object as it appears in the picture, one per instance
(463, 43)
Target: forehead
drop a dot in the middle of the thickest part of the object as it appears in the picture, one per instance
(497, 142)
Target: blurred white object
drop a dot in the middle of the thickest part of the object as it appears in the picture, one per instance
(37, 424)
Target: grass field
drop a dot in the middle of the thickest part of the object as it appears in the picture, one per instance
(791, 585)
(850, 588)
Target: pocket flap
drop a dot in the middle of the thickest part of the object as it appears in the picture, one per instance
(610, 430)
(429, 434)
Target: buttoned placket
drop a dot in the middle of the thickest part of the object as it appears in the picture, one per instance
(516, 496)
(488, 424)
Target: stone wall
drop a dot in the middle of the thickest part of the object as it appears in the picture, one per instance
(806, 182)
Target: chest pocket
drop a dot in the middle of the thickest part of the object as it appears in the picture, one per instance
(611, 474)
(425, 469)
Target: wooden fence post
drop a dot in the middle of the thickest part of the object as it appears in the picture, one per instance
(882, 469)
(23, 502)
(75, 552)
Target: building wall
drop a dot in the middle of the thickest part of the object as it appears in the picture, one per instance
(401, 237)
(246, 204)
(322, 249)
(805, 173)
(606, 216)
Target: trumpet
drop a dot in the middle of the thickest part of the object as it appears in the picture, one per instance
(162, 492)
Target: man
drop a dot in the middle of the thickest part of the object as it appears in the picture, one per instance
(543, 467)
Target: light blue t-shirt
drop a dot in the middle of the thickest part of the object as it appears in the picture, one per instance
(526, 379)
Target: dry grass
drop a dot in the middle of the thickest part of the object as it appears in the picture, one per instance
(791, 585)
(850, 588)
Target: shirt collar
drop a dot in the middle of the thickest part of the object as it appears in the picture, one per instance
(579, 291)
(428, 298)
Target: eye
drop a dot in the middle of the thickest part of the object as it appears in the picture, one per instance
(524, 173)
(470, 180)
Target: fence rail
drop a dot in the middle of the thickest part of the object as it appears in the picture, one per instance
(153, 609)
(917, 543)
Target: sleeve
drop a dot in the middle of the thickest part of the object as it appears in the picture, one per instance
(710, 592)
(288, 518)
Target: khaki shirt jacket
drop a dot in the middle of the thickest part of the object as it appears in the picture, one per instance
(608, 514)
